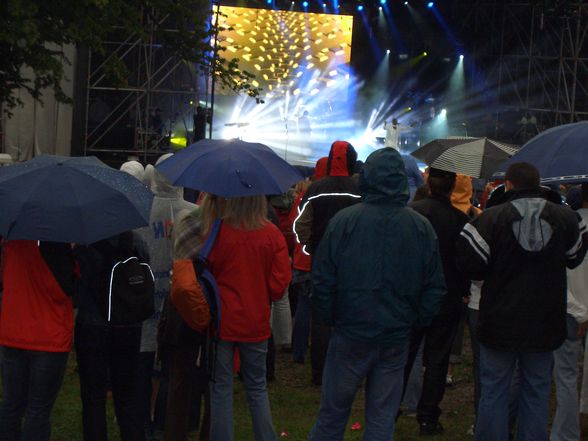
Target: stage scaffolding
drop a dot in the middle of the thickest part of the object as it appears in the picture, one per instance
(540, 67)
(153, 109)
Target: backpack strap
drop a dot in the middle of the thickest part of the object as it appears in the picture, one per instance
(207, 247)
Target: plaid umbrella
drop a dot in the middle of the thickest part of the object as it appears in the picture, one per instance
(476, 157)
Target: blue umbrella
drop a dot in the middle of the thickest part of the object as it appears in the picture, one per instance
(560, 154)
(62, 199)
(230, 168)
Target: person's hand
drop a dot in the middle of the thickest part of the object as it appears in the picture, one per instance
(582, 328)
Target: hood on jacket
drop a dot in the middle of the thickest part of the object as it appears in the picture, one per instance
(531, 231)
(134, 168)
(383, 178)
(342, 157)
(462, 194)
(320, 169)
(160, 186)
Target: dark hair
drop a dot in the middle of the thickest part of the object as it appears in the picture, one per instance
(441, 185)
(522, 175)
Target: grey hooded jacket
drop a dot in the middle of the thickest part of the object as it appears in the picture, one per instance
(167, 205)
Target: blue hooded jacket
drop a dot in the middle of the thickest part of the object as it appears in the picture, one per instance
(377, 272)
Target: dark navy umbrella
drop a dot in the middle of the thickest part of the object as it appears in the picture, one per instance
(560, 154)
(230, 168)
(62, 199)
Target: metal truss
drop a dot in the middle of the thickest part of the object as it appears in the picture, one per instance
(544, 62)
(139, 118)
(533, 58)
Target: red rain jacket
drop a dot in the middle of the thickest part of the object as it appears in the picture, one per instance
(36, 314)
(251, 269)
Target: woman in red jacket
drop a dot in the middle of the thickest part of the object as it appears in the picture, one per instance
(251, 265)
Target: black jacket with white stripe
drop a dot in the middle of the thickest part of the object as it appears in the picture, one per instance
(521, 249)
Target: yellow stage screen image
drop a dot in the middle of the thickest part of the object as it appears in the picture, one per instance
(287, 51)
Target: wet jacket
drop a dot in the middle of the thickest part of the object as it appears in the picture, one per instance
(447, 221)
(326, 197)
(521, 249)
(377, 272)
(251, 268)
(37, 309)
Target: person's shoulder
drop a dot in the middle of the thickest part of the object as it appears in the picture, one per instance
(332, 186)
(563, 212)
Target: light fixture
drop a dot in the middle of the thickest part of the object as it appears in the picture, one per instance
(425, 54)
(305, 4)
(387, 51)
(360, 7)
(461, 57)
(430, 5)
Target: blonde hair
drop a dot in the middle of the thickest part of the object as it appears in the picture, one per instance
(245, 213)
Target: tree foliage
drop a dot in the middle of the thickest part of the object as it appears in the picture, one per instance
(33, 33)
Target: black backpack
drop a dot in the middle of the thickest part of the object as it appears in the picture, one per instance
(130, 285)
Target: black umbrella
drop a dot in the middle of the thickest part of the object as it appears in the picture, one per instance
(476, 157)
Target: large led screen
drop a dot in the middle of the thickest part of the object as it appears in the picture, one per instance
(296, 52)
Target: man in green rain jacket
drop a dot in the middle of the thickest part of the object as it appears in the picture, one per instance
(376, 275)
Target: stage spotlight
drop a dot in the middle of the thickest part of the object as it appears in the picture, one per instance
(305, 4)
(382, 2)
(360, 8)
(380, 8)
(269, 2)
(405, 3)
(430, 5)
(425, 54)
(324, 5)
(461, 57)
(387, 51)
(443, 113)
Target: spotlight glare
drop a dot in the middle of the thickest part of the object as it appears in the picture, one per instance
(405, 3)
(425, 54)
(269, 2)
(305, 4)
(360, 8)
(382, 2)
(430, 5)
(461, 57)
(387, 51)
(324, 5)
(380, 8)
(443, 113)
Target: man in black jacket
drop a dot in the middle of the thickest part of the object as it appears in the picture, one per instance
(520, 249)
(447, 221)
(322, 201)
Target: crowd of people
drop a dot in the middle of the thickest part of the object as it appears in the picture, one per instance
(369, 270)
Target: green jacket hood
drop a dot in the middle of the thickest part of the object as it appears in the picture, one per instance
(383, 178)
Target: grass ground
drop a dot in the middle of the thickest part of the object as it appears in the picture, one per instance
(294, 404)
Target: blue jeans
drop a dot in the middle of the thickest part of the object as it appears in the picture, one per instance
(301, 328)
(496, 372)
(252, 357)
(566, 425)
(348, 364)
(31, 381)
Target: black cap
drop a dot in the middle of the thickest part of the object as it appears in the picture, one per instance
(438, 173)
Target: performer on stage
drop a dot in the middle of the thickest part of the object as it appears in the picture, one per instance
(393, 130)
